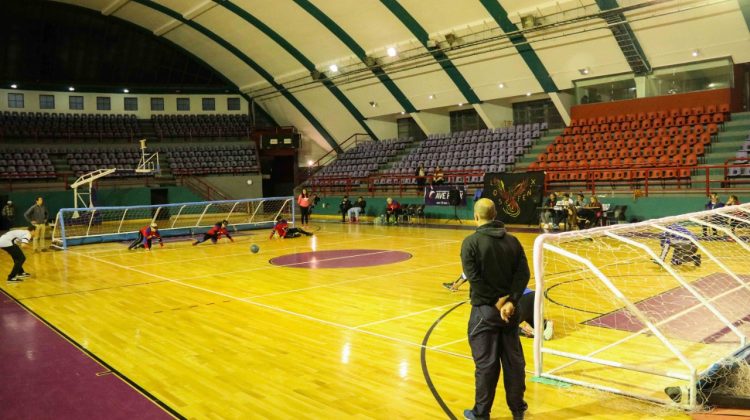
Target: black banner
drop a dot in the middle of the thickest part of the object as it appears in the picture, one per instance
(440, 195)
(516, 196)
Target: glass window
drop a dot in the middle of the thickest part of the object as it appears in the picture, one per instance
(605, 89)
(75, 102)
(157, 104)
(131, 104)
(209, 104)
(103, 103)
(47, 101)
(539, 111)
(466, 119)
(704, 75)
(233, 104)
(15, 100)
(183, 104)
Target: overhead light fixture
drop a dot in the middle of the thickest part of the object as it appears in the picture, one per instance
(431, 97)
(695, 53)
(71, 88)
(334, 68)
(310, 163)
(501, 85)
(460, 104)
(126, 90)
(402, 112)
(528, 93)
(373, 104)
(391, 52)
(13, 86)
(584, 71)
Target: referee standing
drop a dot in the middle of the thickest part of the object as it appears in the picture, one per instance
(496, 267)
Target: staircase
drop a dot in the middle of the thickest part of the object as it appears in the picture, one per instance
(729, 141)
(539, 147)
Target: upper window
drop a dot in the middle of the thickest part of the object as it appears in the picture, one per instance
(183, 104)
(75, 102)
(103, 103)
(233, 104)
(131, 104)
(209, 104)
(15, 100)
(47, 101)
(157, 104)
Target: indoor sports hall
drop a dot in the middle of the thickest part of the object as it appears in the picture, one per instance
(240, 209)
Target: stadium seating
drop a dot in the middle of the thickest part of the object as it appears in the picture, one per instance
(63, 126)
(211, 159)
(742, 157)
(201, 125)
(668, 143)
(26, 163)
(364, 159)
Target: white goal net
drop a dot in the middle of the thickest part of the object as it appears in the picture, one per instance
(77, 226)
(638, 308)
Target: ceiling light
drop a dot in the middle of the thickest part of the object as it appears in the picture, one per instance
(501, 85)
(13, 86)
(334, 68)
(431, 97)
(584, 71)
(528, 93)
(373, 104)
(460, 104)
(391, 52)
(310, 163)
(402, 112)
(695, 53)
(126, 90)
(71, 88)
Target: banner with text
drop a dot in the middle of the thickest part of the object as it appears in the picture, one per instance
(516, 195)
(439, 195)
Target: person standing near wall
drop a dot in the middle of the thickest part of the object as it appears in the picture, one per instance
(8, 215)
(38, 215)
(304, 202)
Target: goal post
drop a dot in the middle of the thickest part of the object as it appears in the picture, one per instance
(79, 226)
(642, 307)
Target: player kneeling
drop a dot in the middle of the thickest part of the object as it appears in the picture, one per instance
(215, 233)
(145, 236)
(282, 230)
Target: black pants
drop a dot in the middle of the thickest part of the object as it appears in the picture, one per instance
(206, 237)
(305, 211)
(526, 309)
(18, 259)
(296, 233)
(684, 252)
(139, 242)
(495, 344)
(394, 213)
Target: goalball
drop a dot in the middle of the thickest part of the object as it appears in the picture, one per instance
(644, 307)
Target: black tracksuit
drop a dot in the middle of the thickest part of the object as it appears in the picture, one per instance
(496, 266)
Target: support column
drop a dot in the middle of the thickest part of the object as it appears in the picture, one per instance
(563, 102)
(432, 123)
(495, 115)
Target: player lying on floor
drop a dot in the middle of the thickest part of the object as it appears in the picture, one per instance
(145, 236)
(684, 250)
(525, 307)
(282, 230)
(220, 228)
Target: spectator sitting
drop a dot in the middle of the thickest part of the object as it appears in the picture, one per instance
(545, 218)
(733, 201)
(438, 178)
(359, 206)
(392, 208)
(344, 207)
(591, 213)
(420, 173)
(713, 203)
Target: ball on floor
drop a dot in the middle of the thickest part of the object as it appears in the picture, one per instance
(254, 248)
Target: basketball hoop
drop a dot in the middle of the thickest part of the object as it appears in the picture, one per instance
(149, 162)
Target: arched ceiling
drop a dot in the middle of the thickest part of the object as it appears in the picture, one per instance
(448, 52)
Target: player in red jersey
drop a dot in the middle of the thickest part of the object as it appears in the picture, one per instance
(145, 236)
(215, 233)
(282, 229)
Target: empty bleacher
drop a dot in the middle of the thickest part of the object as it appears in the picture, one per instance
(201, 125)
(66, 126)
(364, 159)
(212, 159)
(26, 163)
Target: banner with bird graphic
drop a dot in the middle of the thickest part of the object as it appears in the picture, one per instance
(516, 195)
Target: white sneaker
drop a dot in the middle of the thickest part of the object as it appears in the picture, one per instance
(24, 275)
(549, 330)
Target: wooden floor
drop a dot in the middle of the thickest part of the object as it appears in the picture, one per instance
(214, 331)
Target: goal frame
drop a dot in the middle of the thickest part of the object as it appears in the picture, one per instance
(63, 241)
(542, 244)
